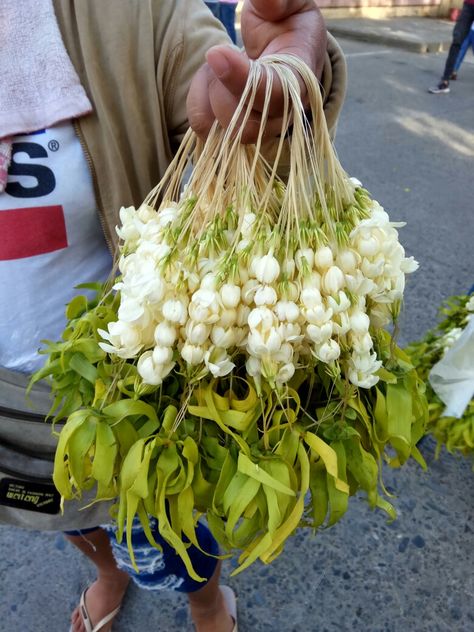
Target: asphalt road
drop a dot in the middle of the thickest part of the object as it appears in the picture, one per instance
(414, 152)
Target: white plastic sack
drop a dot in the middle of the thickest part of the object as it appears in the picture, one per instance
(452, 378)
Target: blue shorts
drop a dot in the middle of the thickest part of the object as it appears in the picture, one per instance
(162, 570)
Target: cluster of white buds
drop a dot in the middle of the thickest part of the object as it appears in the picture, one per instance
(279, 309)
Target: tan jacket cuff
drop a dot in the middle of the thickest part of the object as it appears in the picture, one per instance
(333, 83)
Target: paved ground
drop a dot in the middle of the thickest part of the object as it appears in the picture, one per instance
(414, 151)
(419, 35)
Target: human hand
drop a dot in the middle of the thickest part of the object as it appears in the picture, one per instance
(268, 27)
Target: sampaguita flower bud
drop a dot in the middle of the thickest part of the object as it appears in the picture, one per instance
(266, 269)
(323, 258)
(333, 280)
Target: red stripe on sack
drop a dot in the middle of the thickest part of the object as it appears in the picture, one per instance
(27, 232)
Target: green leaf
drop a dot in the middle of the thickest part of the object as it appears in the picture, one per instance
(83, 367)
(76, 307)
(247, 467)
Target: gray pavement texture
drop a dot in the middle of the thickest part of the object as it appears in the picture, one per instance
(419, 35)
(414, 152)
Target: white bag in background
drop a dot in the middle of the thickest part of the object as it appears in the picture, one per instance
(452, 378)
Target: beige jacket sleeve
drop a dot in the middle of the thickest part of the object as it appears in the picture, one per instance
(197, 31)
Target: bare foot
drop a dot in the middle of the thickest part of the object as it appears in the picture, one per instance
(212, 619)
(102, 597)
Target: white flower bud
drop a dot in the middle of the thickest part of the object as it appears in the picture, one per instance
(362, 344)
(262, 343)
(165, 334)
(208, 281)
(261, 318)
(347, 261)
(218, 362)
(341, 323)
(291, 291)
(333, 280)
(196, 333)
(193, 281)
(362, 380)
(224, 338)
(323, 258)
(150, 372)
(290, 332)
(318, 315)
(328, 351)
(360, 322)
(155, 290)
(366, 362)
(266, 269)
(380, 315)
(288, 268)
(162, 355)
(304, 258)
(285, 353)
(312, 281)
(130, 310)
(265, 295)
(130, 228)
(230, 295)
(228, 318)
(242, 245)
(242, 274)
(358, 284)
(253, 366)
(372, 270)
(248, 291)
(206, 297)
(341, 303)
(409, 265)
(192, 354)
(319, 335)
(175, 311)
(166, 215)
(285, 373)
(287, 311)
(243, 312)
(368, 247)
(311, 297)
(248, 221)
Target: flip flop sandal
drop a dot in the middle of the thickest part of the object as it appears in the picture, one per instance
(231, 604)
(86, 618)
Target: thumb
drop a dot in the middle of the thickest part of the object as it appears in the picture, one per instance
(274, 10)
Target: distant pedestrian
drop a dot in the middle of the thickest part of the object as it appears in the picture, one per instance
(460, 32)
(213, 6)
(469, 41)
(227, 17)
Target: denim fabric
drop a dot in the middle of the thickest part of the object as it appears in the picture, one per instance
(469, 41)
(165, 570)
(227, 17)
(213, 8)
(460, 32)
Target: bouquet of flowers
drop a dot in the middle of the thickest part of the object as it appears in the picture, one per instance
(457, 434)
(237, 366)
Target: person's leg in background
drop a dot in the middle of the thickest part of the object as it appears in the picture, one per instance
(460, 32)
(227, 17)
(459, 59)
(164, 570)
(107, 592)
